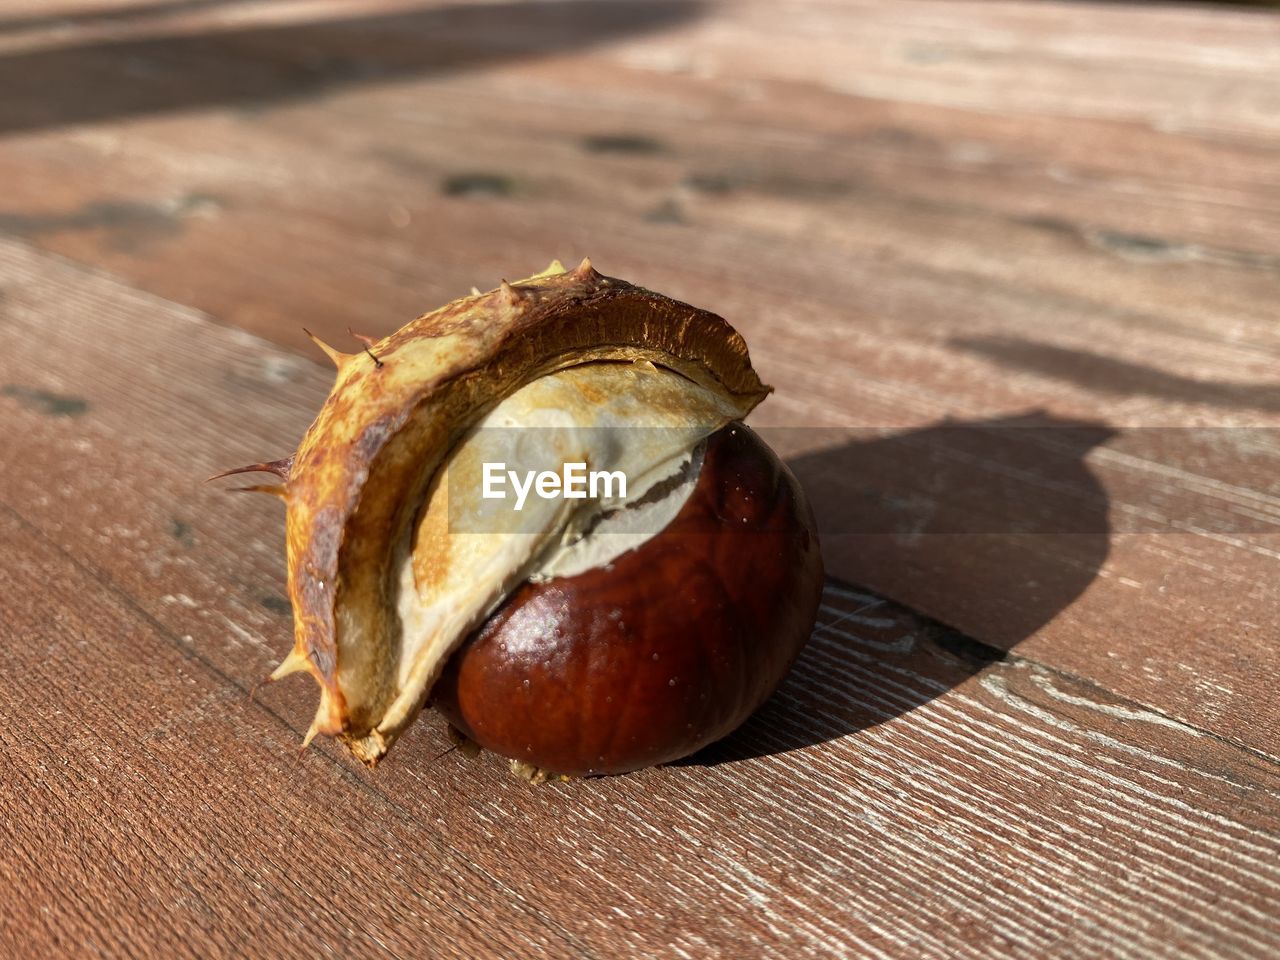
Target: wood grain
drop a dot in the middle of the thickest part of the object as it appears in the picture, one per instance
(1012, 269)
(893, 261)
(907, 793)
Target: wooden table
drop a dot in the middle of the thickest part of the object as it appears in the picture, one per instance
(1014, 272)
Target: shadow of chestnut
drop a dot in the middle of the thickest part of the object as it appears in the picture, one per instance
(985, 529)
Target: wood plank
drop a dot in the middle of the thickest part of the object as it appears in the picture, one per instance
(929, 262)
(1207, 71)
(1182, 67)
(905, 794)
(150, 810)
(998, 259)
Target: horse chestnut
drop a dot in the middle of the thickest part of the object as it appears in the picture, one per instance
(666, 649)
(593, 633)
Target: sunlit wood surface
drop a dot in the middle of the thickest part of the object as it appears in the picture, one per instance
(1014, 271)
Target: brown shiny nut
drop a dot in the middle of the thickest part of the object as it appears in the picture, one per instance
(668, 648)
(384, 595)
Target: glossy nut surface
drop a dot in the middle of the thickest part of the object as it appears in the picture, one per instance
(665, 650)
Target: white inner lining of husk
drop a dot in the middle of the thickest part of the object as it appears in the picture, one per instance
(644, 420)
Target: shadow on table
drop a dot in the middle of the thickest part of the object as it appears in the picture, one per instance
(1112, 376)
(989, 527)
(259, 65)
